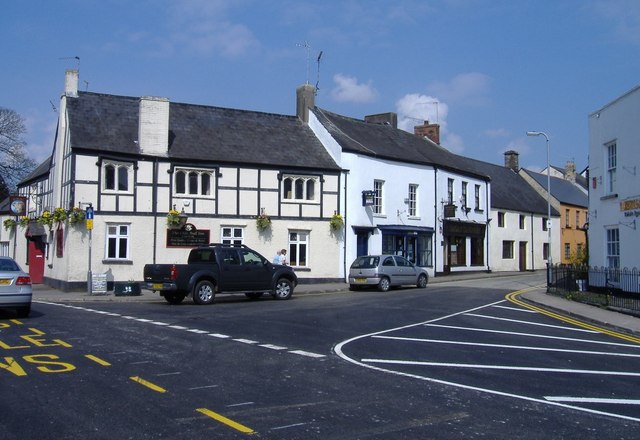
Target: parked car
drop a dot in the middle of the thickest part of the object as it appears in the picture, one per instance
(220, 268)
(385, 271)
(15, 287)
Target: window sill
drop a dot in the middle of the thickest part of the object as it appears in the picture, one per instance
(114, 261)
(609, 196)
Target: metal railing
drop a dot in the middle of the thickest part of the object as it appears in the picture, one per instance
(601, 286)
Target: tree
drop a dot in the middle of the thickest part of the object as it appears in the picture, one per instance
(14, 162)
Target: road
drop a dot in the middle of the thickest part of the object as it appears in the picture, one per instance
(454, 360)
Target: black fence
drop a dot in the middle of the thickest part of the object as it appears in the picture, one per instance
(600, 286)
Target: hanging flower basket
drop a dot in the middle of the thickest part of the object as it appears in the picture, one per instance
(59, 215)
(336, 223)
(76, 216)
(23, 221)
(176, 220)
(46, 219)
(9, 224)
(263, 222)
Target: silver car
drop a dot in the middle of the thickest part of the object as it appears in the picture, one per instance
(15, 287)
(385, 271)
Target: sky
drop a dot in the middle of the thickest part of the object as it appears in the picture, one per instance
(487, 71)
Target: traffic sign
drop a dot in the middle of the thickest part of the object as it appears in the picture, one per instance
(88, 215)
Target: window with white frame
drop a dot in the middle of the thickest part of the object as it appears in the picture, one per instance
(117, 176)
(613, 248)
(300, 188)
(413, 200)
(463, 197)
(117, 242)
(232, 235)
(477, 204)
(612, 163)
(193, 182)
(298, 248)
(450, 191)
(378, 207)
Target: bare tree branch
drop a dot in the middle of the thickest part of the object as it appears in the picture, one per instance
(14, 161)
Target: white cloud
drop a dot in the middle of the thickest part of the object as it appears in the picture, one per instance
(465, 89)
(414, 109)
(496, 132)
(347, 89)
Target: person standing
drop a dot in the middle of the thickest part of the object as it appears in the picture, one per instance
(277, 258)
(283, 257)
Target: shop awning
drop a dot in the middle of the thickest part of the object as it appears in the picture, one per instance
(405, 229)
(34, 229)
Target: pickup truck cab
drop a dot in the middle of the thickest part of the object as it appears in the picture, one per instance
(220, 268)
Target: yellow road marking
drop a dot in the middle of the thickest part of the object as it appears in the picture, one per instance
(514, 298)
(97, 360)
(226, 421)
(16, 321)
(148, 384)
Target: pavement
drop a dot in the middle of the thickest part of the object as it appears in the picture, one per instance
(609, 319)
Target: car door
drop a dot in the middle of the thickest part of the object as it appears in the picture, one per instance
(256, 270)
(232, 276)
(389, 268)
(406, 271)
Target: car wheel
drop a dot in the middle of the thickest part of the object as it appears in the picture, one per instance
(384, 284)
(23, 312)
(422, 281)
(174, 298)
(204, 293)
(253, 295)
(283, 290)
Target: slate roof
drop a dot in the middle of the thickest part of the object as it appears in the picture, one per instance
(562, 190)
(386, 142)
(109, 124)
(510, 191)
(580, 179)
(40, 172)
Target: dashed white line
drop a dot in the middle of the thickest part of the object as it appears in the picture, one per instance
(307, 353)
(273, 347)
(245, 341)
(219, 335)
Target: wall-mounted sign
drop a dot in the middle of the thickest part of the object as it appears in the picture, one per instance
(188, 237)
(367, 198)
(449, 211)
(18, 205)
(630, 207)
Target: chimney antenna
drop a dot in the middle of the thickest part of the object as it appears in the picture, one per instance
(308, 47)
(86, 85)
(318, 78)
(53, 107)
(77, 58)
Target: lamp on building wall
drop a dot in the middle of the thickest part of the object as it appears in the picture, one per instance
(550, 257)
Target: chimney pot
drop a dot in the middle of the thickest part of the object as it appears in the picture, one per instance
(430, 131)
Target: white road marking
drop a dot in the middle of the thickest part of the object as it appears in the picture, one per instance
(515, 309)
(593, 400)
(219, 335)
(273, 347)
(245, 341)
(532, 323)
(307, 353)
(501, 367)
(532, 335)
(516, 347)
(198, 331)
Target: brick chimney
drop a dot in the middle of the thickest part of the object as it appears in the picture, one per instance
(305, 99)
(389, 118)
(153, 126)
(511, 160)
(570, 171)
(431, 131)
(71, 83)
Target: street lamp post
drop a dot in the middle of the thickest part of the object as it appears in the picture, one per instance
(549, 257)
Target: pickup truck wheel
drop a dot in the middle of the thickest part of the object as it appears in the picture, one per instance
(283, 290)
(174, 298)
(204, 293)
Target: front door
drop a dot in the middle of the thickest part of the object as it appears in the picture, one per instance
(36, 261)
(362, 239)
(522, 256)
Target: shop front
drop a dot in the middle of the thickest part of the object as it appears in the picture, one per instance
(464, 245)
(415, 243)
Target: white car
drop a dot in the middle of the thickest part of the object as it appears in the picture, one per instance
(385, 271)
(15, 287)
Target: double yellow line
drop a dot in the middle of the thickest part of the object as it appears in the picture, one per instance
(514, 297)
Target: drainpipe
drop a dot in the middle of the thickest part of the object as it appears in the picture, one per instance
(154, 208)
(533, 264)
(344, 231)
(435, 222)
(488, 211)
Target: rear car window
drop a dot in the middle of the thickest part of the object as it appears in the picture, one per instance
(202, 256)
(9, 266)
(366, 262)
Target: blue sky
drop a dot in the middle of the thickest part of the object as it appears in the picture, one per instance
(486, 70)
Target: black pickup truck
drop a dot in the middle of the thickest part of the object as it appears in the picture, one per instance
(220, 268)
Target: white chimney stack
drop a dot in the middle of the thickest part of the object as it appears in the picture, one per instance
(153, 126)
(71, 83)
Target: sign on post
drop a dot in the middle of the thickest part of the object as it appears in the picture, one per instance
(88, 216)
(98, 283)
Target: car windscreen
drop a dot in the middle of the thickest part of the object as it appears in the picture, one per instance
(365, 262)
(9, 266)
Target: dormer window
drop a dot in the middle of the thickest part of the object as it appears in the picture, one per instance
(299, 188)
(117, 176)
(193, 182)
